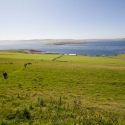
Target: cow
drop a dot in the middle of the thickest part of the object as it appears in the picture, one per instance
(5, 75)
(25, 64)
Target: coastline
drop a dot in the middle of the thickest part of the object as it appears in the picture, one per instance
(103, 48)
(33, 51)
(27, 51)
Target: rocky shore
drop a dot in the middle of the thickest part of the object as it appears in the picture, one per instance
(32, 51)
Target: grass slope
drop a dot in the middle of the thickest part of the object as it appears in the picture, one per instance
(62, 90)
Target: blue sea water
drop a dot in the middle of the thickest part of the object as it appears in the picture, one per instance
(91, 47)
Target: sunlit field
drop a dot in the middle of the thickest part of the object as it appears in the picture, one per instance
(56, 89)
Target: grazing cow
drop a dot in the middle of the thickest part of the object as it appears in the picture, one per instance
(29, 63)
(5, 75)
(25, 64)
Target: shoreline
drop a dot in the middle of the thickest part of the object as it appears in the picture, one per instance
(27, 51)
(33, 51)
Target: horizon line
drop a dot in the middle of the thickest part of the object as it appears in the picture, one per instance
(59, 39)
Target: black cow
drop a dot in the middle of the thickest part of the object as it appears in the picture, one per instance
(5, 75)
(25, 64)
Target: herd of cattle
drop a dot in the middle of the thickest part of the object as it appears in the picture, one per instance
(5, 75)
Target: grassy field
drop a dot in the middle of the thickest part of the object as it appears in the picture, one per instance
(61, 89)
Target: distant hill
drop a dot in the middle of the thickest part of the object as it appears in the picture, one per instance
(67, 42)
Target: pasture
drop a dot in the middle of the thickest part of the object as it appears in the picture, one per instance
(61, 89)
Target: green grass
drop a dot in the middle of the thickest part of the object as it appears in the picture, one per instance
(30, 56)
(62, 90)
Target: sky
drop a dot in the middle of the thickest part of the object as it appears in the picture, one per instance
(62, 19)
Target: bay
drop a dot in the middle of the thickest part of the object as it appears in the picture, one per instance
(90, 47)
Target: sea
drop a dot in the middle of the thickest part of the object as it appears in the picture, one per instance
(90, 47)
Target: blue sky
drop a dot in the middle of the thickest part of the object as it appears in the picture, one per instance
(62, 19)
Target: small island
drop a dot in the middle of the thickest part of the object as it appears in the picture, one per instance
(67, 42)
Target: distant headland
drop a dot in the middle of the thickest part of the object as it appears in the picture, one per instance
(67, 42)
